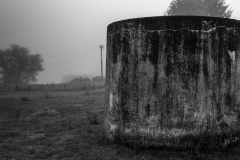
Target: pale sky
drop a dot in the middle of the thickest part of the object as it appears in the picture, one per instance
(53, 27)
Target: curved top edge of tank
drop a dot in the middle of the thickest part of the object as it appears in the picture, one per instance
(219, 21)
(172, 17)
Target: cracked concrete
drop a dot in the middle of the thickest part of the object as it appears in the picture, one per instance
(166, 30)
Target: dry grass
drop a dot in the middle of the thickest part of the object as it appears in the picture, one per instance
(68, 125)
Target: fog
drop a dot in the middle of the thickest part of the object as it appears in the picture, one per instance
(68, 33)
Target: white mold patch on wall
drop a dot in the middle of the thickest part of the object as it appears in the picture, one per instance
(110, 101)
(232, 55)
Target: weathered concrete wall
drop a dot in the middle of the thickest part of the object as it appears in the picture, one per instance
(173, 81)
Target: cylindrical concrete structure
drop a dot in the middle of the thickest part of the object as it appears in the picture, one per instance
(173, 81)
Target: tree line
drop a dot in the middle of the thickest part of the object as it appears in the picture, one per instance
(82, 80)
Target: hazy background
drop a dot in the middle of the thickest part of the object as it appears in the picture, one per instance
(53, 27)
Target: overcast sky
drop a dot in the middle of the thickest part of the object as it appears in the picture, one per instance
(53, 27)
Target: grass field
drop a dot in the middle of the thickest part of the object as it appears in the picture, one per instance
(68, 125)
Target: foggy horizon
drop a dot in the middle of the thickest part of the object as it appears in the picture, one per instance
(68, 34)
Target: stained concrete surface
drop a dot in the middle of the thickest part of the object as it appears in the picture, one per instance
(173, 81)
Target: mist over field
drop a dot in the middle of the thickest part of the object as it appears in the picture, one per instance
(56, 101)
(54, 27)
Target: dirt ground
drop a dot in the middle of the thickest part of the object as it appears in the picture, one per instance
(68, 125)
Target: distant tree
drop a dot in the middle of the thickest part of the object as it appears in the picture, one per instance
(86, 80)
(18, 66)
(80, 80)
(214, 8)
(75, 80)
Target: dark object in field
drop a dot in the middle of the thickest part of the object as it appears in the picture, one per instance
(24, 98)
(173, 81)
(93, 119)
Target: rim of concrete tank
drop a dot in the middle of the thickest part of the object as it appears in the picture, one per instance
(228, 22)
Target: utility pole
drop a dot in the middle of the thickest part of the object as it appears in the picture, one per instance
(101, 63)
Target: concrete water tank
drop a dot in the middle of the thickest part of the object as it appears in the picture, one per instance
(173, 81)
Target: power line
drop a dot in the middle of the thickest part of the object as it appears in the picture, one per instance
(72, 57)
(70, 53)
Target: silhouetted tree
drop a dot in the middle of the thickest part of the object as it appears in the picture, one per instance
(214, 8)
(18, 66)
